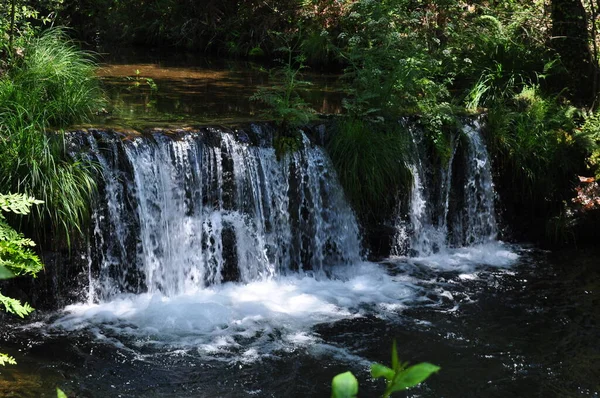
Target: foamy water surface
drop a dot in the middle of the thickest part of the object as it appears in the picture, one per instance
(234, 319)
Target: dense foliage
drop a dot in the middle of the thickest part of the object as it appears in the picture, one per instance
(540, 153)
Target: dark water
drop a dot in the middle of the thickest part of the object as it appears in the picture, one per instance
(530, 330)
(186, 89)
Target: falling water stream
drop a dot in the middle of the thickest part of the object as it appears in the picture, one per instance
(217, 269)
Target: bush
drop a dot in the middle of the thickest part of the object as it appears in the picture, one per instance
(391, 66)
(591, 130)
(51, 87)
(507, 51)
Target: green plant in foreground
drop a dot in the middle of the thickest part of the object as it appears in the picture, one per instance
(399, 377)
(16, 256)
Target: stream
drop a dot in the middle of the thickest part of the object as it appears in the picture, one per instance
(215, 268)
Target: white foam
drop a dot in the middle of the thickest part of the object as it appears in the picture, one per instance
(468, 259)
(272, 314)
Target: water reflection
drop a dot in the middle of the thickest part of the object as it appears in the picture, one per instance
(151, 90)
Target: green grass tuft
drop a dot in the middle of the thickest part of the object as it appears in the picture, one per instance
(370, 159)
(52, 87)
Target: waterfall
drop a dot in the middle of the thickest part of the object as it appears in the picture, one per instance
(479, 214)
(204, 242)
(183, 211)
(459, 211)
(180, 211)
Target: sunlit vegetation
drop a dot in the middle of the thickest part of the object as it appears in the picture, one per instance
(51, 85)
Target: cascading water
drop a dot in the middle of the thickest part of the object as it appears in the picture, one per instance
(205, 239)
(479, 213)
(180, 213)
(458, 213)
(426, 231)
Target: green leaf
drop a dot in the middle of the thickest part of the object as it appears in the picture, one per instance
(5, 273)
(14, 306)
(414, 375)
(6, 359)
(344, 385)
(378, 370)
(60, 393)
(395, 361)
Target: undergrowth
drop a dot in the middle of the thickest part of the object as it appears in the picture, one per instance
(538, 152)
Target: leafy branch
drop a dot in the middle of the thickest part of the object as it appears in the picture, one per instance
(6, 360)
(17, 203)
(16, 256)
(14, 306)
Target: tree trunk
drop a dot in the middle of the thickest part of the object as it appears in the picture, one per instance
(570, 39)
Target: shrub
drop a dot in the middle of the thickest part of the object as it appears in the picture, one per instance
(507, 51)
(538, 154)
(391, 67)
(591, 131)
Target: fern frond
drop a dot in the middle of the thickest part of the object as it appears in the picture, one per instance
(15, 306)
(6, 360)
